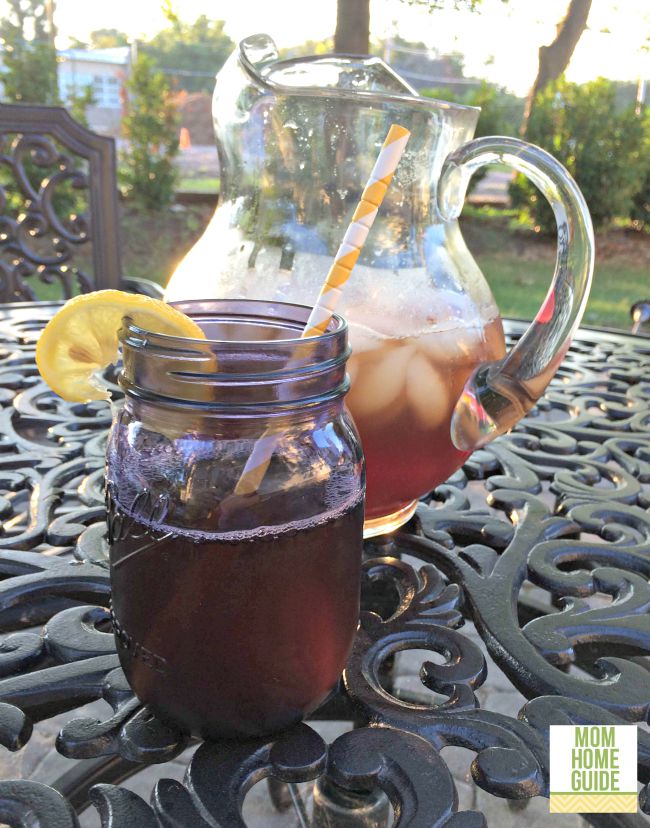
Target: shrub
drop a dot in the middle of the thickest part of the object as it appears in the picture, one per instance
(78, 103)
(640, 212)
(601, 147)
(151, 127)
(501, 111)
(28, 55)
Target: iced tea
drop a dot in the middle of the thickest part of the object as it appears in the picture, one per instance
(239, 635)
(403, 394)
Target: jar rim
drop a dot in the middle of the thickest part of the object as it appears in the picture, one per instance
(238, 372)
(336, 328)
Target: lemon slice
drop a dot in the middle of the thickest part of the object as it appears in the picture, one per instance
(81, 339)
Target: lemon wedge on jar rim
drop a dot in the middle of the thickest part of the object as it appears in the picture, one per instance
(81, 339)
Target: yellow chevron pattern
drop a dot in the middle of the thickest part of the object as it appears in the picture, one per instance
(355, 235)
(626, 803)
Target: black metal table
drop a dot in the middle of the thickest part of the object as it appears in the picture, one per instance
(542, 540)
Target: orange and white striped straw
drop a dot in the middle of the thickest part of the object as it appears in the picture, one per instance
(332, 290)
(358, 229)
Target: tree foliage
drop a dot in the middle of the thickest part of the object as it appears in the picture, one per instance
(352, 33)
(190, 53)
(501, 111)
(602, 148)
(29, 56)
(640, 212)
(307, 47)
(434, 5)
(151, 128)
(78, 103)
(102, 39)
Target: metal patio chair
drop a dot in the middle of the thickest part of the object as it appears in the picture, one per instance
(59, 231)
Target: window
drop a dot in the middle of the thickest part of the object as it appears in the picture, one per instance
(107, 91)
(106, 88)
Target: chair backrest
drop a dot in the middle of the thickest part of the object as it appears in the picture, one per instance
(58, 206)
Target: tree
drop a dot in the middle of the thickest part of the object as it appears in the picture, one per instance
(352, 33)
(29, 57)
(554, 58)
(190, 53)
(108, 38)
(640, 212)
(102, 39)
(78, 103)
(601, 145)
(501, 111)
(307, 47)
(151, 128)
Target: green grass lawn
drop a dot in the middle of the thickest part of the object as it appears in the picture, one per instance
(518, 265)
(151, 245)
(520, 287)
(198, 185)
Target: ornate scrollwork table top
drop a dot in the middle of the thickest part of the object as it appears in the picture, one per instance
(541, 542)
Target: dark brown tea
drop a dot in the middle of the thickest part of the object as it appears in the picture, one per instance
(237, 634)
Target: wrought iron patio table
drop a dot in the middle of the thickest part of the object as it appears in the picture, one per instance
(542, 541)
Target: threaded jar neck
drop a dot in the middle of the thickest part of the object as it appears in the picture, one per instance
(252, 362)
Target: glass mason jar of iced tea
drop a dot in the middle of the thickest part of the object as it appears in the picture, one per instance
(234, 614)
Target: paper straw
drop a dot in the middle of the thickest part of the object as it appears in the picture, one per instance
(357, 232)
(332, 290)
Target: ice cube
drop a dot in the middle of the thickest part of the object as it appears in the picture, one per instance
(362, 339)
(377, 389)
(427, 392)
(494, 339)
(448, 346)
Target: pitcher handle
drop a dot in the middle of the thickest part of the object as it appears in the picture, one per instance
(498, 394)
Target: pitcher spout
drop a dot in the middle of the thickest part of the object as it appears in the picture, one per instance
(342, 75)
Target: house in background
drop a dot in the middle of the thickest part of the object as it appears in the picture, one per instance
(106, 71)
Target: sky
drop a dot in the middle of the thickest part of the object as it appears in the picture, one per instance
(499, 44)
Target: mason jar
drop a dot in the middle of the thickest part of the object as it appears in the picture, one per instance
(235, 606)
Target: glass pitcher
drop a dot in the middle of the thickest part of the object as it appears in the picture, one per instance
(431, 381)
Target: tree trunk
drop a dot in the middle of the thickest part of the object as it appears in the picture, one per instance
(352, 35)
(554, 59)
